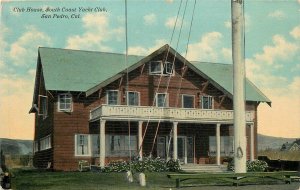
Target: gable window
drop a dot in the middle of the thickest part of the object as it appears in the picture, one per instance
(160, 68)
(65, 102)
(112, 97)
(43, 106)
(206, 102)
(133, 98)
(82, 147)
(45, 143)
(162, 100)
(188, 101)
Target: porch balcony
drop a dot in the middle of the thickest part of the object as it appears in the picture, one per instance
(140, 113)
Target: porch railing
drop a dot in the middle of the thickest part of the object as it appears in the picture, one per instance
(158, 113)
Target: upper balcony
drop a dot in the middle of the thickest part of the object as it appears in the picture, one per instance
(140, 113)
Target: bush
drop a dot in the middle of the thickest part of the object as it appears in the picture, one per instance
(252, 166)
(147, 164)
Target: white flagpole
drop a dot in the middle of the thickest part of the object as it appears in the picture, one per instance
(237, 18)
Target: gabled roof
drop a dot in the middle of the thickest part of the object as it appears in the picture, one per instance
(222, 74)
(87, 71)
(74, 70)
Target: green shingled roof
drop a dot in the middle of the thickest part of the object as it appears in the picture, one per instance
(73, 70)
(223, 75)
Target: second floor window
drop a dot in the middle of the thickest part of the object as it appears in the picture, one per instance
(112, 97)
(187, 101)
(133, 98)
(65, 102)
(206, 102)
(162, 100)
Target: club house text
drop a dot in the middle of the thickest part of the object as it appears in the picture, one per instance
(60, 12)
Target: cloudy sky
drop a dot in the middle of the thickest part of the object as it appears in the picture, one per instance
(272, 47)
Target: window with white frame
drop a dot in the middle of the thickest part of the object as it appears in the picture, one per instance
(43, 106)
(133, 98)
(188, 101)
(162, 100)
(45, 143)
(36, 146)
(82, 145)
(112, 97)
(161, 68)
(206, 102)
(65, 102)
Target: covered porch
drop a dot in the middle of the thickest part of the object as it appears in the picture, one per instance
(193, 136)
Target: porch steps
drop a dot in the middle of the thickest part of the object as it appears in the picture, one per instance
(208, 168)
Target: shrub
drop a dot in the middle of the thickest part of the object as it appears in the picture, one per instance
(147, 164)
(252, 166)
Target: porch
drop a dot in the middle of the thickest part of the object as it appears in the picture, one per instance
(178, 133)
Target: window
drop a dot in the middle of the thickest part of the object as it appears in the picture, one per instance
(206, 102)
(43, 106)
(162, 100)
(168, 68)
(133, 98)
(155, 67)
(65, 102)
(82, 147)
(45, 143)
(188, 101)
(160, 68)
(112, 97)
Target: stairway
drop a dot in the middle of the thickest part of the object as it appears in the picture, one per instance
(208, 168)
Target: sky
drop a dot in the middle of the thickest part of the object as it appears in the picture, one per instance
(272, 48)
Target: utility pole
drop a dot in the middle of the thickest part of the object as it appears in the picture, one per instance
(238, 56)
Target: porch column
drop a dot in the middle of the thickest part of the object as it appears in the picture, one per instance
(102, 143)
(218, 144)
(251, 142)
(175, 140)
(140, 139)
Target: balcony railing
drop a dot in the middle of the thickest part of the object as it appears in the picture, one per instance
(157, 113)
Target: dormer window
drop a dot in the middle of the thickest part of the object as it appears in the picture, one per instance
(65, 102)
(161, 68)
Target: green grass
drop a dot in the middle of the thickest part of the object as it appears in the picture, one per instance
(40, 180)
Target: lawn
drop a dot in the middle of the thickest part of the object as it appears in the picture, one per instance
(39, 180)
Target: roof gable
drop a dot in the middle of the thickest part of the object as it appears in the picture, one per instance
(86, 71)
(74, 70)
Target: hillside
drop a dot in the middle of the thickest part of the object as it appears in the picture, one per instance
(16, 147)
(268, 142)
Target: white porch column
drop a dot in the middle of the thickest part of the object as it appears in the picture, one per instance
(102, 143)
(251, 142)
(175, 140)
(218, 144)
(140, 139)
